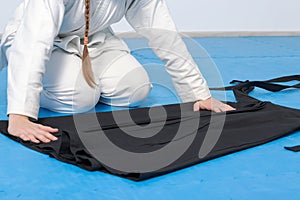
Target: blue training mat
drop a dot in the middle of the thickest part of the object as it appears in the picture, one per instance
(264, 172)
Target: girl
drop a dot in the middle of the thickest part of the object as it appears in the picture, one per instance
(62, 55)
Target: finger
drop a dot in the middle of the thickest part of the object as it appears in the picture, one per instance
(41, 137)
(33, 139)
(48, 128)
(228, 108)
(217, 109)
(24, 137)
(196, 106)
(44, 130)
(231, 108)
(223, 109)
(48, 135)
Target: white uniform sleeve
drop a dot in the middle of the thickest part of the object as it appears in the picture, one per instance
(29, 53)
(151, 19)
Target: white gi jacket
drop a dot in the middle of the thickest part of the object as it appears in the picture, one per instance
(37, 25)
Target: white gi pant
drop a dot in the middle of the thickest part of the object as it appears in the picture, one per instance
(121, 79)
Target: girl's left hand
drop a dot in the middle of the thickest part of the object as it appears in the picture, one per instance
(213, 105)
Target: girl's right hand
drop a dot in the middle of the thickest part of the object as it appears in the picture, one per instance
(20, 126)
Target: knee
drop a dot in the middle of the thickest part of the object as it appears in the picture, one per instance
(84, 99)
(139, 94)
(71, 101)
(136, 85)
(129, 89)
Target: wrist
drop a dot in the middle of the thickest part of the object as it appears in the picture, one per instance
(17, 116)
(206, 99)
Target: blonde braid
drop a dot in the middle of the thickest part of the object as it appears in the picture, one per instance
(86, 61)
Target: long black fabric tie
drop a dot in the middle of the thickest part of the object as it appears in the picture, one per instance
(294, 149)
(248, 86)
